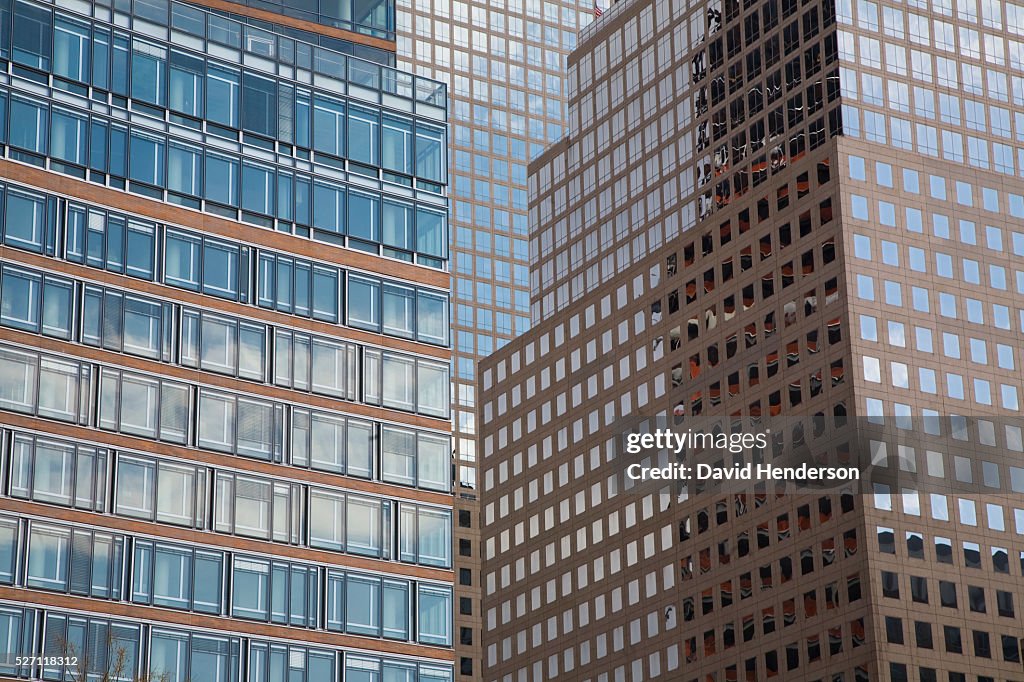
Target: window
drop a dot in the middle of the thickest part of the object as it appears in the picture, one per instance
(16, 627)
(288, 285)
(223, 87)
(396, 145)
(77, 561)
(240, 425)
(223, 345)
(125, 323)
(162, 491)
(29, 127)
(430, 153)
(110, 242)
(412, 458)
(269, 661)
(328, 126)
(28, 222)
(274, 591)
(406, 383)
(424, 535)
(258, 508)
(221, 177)
(330, 442)
(180, 656)
(259, 104)
(363, 135)
(58, 472)
(435, 615)
(139, 405)
(185, 86)
(32, 38)
(146, 159)
(36, 302)
(59, 385)
(178, 577)
(105, 646)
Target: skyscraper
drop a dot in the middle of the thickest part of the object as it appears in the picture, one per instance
(224, 347)
(504, 64)
(769, 210)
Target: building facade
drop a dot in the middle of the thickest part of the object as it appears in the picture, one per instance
(761, 211)
(504, 64)
(224, 346)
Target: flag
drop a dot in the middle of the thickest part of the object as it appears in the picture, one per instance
(597, 10)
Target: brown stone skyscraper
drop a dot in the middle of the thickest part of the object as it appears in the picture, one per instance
(764, 211)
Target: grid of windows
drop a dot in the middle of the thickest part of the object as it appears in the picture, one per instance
(225, 448)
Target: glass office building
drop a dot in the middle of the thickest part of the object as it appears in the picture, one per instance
(224, 348)
(504, 64)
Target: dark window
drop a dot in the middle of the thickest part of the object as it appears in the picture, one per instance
(919, 589)
(1004, 603)
(976, 598)
(947, 594)
(890, 585)
(893, 630)
(951, 635)
(923, 635)
(982, 644)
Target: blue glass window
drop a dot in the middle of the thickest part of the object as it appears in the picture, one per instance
(71, 50)
(432, 319)
(435, 615)
(184, 170)
(186, 84)
(364, 216)
(29, 123)
(25, 221)
(431, 235)
(302, 114)
(363, 135)
(329, 207)
(68, 136)
(259, 105)
(328, 126)
(220, 269)
(430, 151)
(396, 145)
(223, 90)
(364, 303)
(181, 267)
(146, 156)
(33, 35)
(258, 189)
(222, 179)
(325, 294)
(148, 73)
(397, 225)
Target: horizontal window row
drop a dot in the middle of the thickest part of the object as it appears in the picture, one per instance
(129, 650)
(126, 484)
(77, 141)
(105, 565)
(109, 241)
(121, 321)
(376, 18)
(84, 51)
(140, 405)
